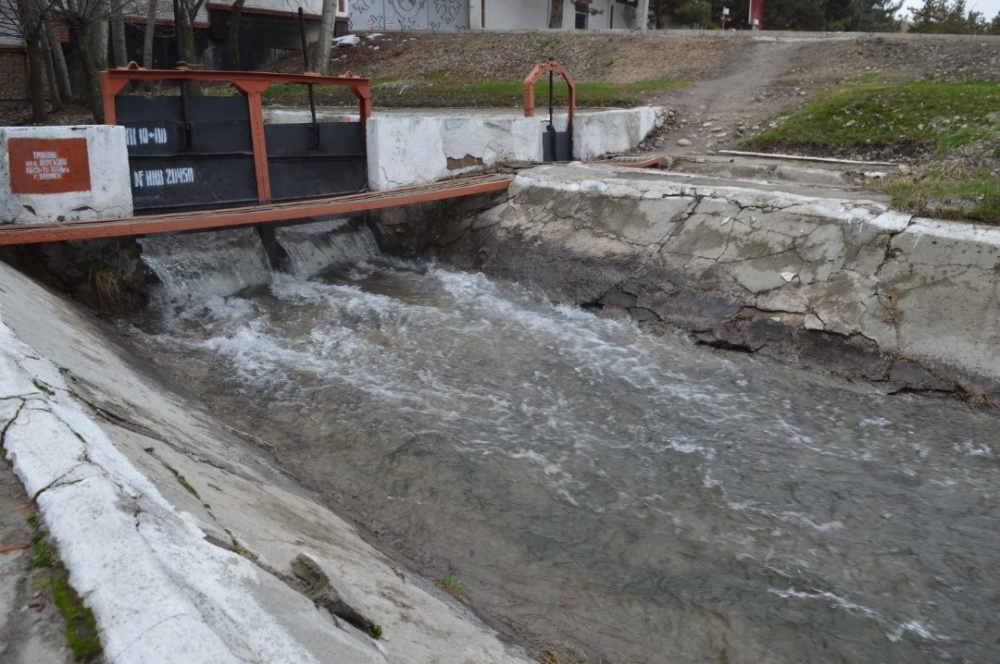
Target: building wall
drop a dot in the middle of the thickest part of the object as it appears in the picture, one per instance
(386, 15)
(13, 73)
(534, 14)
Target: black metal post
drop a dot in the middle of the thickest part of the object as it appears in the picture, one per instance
(305, 63)
(552, 129)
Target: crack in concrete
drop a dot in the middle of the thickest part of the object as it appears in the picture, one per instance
(58, 481)
(12, 420)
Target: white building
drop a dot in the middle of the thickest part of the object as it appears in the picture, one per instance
(387, 15)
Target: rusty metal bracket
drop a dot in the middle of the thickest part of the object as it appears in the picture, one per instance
(532, 78)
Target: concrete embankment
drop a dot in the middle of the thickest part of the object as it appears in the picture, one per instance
(817, 277)
(179, 532)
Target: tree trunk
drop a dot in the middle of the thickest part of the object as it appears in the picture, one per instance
(58, 57)
(327, 26)
(233, 48)
(642, 15)
(327, 29)
(150, 35)
(36, 60)
(93, 40)
(188, 51)
(55, 99)
(556, 14)
(119, 51)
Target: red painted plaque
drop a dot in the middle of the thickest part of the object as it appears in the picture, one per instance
(48, 165)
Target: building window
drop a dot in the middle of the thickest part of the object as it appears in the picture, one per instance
(582, 14)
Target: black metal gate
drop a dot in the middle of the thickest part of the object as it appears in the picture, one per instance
(190, 151)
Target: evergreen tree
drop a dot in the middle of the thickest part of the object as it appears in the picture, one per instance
(948, 17)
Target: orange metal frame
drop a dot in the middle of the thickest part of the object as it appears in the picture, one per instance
(529, 89)
(252, 84)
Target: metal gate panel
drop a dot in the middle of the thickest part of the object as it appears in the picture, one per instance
(557, 146)
(191, 153)
(306, 160)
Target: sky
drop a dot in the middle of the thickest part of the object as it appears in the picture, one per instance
(988, 8)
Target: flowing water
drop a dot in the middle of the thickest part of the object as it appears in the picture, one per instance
(632, 497)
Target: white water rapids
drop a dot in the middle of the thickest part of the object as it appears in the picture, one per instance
(629, 497)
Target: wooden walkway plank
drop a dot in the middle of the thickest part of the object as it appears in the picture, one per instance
(204, 220)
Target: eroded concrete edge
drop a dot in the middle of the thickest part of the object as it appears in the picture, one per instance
(839, 284)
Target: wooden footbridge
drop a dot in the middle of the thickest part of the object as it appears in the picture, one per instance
(289, 212)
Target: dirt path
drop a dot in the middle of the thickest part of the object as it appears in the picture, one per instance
(714, 114)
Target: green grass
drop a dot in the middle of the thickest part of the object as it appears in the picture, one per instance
(452, 586)
(920, 116)
(938, 193)
(952, 130)
(81, 627)
(431, 92)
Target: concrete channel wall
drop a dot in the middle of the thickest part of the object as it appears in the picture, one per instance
(828, 282)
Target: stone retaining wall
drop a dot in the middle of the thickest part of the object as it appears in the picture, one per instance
(845, 285)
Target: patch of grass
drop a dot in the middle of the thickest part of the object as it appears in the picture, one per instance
(106, 285)
(555, 655)
(940, 193)
(505, 94)
(452, 586)
(181, 479)
(81, 626)
(914, 116)
(43, 387)
(294, 93)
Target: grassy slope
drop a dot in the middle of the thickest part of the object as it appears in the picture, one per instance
(948, 128)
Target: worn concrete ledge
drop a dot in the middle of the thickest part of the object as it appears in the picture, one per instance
(817, 280)
(177, 534)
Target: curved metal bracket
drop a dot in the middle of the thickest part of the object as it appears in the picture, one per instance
(529, 89)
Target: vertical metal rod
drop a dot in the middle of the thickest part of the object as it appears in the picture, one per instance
(185, 85)
(553, 141)
(305, 63)
(550, 97)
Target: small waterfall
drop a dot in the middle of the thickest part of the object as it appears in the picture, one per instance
(313, 248)
(205, 264)
(222, 263)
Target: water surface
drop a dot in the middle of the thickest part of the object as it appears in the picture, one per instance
(634, 498)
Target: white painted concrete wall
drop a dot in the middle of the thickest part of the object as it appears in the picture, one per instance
(109, 195)
(612, 132)
(410, 149)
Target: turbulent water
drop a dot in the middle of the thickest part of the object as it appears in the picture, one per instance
(628, 497)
